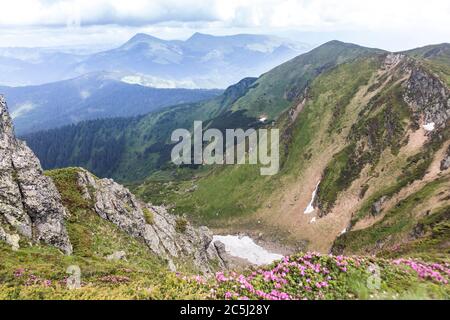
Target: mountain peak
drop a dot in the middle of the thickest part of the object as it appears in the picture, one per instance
(338, 43)
(333, 45)
(140, 38)
(199, 36)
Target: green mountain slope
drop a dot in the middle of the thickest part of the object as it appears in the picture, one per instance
(36, 271)
(41, 272)
(132, 149)
(366, 128)
(359, 130)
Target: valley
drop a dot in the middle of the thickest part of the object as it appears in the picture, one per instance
(363, 185)
(330, 133)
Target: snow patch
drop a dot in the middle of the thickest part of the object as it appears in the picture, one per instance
(84, 94)
(155, 82)
(213, 55)
(429, 126)
(244, 247)
(267, 47)
(310, 208)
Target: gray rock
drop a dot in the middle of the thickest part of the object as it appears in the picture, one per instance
(445, 163)
(116, 256)
(11, 239)
(427, 96)
(377, 207)
(115, 203)
(29, 201)
(229, 261)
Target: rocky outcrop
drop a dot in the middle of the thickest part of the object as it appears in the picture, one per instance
(167, 235)
(234, 92)
(428, 97)
(377, 206)
(445, 163)
(30, 204)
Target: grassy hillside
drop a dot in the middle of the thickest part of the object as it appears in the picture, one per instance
(244, 187)
(40, 272)
(356, 135)
(349, 126)
(132, 149)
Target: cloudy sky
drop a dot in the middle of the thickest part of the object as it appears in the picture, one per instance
(388, 24)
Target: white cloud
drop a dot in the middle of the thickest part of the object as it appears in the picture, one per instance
(99, 12)
(274, 13)
(24, 21)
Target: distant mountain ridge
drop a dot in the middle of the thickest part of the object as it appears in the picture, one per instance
(202, 61)
(91, 96)
(364, 144)
(132, 149)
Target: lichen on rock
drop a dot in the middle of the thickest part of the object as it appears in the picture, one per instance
(115, 203)
(29, 201)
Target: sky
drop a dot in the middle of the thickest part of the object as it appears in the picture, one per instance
(387, 24)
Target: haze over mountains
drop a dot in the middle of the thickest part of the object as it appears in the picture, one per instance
(202, 61)
(59, 87)
(95, 95)
(365, 131)
(364, 170)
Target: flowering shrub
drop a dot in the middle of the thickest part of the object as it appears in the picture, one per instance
(434, 271)
(30, 279)
(115, 279)
(313, 276)
(304, 276)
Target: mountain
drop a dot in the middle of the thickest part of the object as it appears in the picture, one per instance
(132, 149)
(202, 61)
(91, 96)
(47, 209)
(364, 145)
(373, 129)
(32, 66)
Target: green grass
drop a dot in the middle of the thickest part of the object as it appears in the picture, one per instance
(432, 245)
(337, 177)
(396, 223)
(40, 272)
(312, 276)
(45, 270)
(414, 169)
(233, 191)
(148, 216)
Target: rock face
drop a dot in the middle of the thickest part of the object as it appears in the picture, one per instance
(168, 236)
(445, 163)
(31, 207)
(29, 201)
(428, 96)
(237, 90)
(377, 207)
